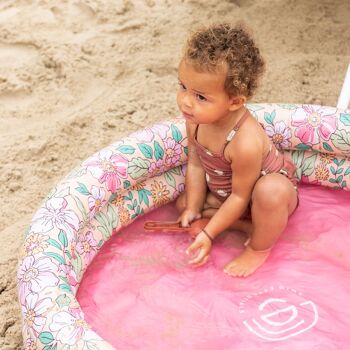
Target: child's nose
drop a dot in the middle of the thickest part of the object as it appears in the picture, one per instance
(187, 101)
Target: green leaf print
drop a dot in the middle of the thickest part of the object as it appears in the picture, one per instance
(82, 189)
(46, 337)
(125, 149)
(62, 236)
(54, 243)
(309, 165)
(158, 151)
(65, 287)
(77, 265)
(176, 170)
(170, 179)
(327, 147)
(269, 118)
(112, 216)
(177, 136)
(57, 257)
(146, 150)
(105, 228)
(143, 196)
(345, 119)
(80, 206)
(126, 184)
(138, 167)
(186, 150)
(347, 171)
(341, 140)
(297, 157)
(303, 147)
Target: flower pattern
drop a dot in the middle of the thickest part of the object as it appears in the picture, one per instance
(87, 246)
(128, 178)
(54, 213)
(280, 134)
(313, 123)
(70, 327)
(108, 168)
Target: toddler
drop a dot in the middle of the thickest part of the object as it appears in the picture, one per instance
(235, 175)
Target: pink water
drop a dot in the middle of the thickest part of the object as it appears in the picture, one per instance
(139, 292)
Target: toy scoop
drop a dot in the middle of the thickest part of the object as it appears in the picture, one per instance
(174, 226)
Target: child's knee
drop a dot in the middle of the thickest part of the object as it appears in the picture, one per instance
(270, 194)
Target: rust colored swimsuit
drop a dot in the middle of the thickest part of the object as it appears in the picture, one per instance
(218, 170)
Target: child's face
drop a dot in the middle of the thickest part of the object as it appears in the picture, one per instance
(201, 97)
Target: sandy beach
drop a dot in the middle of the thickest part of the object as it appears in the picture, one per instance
(77, 75)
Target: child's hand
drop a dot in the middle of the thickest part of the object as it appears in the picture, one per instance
(202, 245)
(187, 216)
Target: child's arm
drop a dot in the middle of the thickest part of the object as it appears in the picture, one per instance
(196, 186)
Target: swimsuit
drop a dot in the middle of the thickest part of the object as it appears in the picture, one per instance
(218, 172)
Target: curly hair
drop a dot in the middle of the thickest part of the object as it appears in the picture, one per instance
(209, 48)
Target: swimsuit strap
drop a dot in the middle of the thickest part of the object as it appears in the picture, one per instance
(237, 126)
(231, 133)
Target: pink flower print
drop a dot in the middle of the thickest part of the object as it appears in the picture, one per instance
(70, 273)
(70, 327)
(180, 189)
(280, 134)
(109, 168)
(313, 122)
(55, 214)
(173, 151)
(35, 275)
(33, 311)
(157, 167)
(96, 200)
(87, 245)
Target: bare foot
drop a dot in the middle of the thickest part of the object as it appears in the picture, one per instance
(247, 262)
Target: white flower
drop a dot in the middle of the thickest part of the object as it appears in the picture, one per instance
(97, 199)
(35, 275)
(55, 214)
(33, 311)
(71, 327)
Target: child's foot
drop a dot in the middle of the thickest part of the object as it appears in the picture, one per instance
(246, 263)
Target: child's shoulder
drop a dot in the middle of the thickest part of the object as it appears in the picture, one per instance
(250, 138)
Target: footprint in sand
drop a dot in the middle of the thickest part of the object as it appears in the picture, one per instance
(16, 55)
(74, 14)
(5, 15)
(13, 57)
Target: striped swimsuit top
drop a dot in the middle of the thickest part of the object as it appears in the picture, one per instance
(218, 172)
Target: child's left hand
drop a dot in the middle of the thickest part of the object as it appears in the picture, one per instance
(202, 245)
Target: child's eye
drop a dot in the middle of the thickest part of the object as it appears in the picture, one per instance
(201, 98)
(182, 86)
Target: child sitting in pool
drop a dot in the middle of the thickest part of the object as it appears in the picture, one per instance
(235, 175)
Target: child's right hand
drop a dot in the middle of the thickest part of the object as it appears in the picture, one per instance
(187, 216)
(201, 247)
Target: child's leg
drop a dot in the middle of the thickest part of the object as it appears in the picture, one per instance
(273, 200)
(210, 207)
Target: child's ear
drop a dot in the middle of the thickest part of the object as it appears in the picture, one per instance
(236, 102)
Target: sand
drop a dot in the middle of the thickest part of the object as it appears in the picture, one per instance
(77, 75)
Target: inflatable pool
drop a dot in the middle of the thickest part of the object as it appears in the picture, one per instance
(91, 278)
